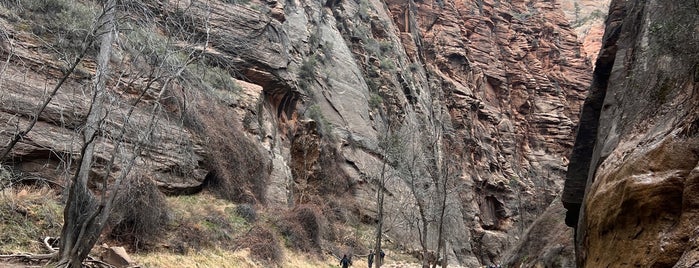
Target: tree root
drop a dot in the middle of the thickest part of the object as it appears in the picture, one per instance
(48, 243)
(25, 257)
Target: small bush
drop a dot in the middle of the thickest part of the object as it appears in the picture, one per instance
(375, 101)
(388, 64)
(335, 181)
(294, 235)
(147, 43)
(66, 21)
(203, 221)
(247, 212)
(6, 177)
(263, 244)
(307, 69)
(302, 228)
(386, 47)
(140, 214)
(324, 127)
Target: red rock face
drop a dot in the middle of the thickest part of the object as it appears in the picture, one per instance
(587, 18)
(514, 78)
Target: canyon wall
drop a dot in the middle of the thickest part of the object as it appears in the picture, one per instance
(476, 102)
(631, 187)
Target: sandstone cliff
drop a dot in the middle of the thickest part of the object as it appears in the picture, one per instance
(587, 18)
(631, 183)
(475, 100)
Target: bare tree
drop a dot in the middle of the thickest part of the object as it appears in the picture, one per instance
(86, 213)
(419, 189)
(380, 206)
(88, 208)
(391, 147)
(82, 226)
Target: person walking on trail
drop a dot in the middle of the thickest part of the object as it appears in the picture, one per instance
(381, 255)
(370, 258)
(345, 262)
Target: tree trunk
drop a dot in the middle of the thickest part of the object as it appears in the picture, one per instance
(379, 229)
(80, 231)
(379, 200)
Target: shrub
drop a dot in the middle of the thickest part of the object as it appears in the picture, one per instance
(140, 213)
(239, 169)
(67, 21)
(375, 101)
(309, 219)
(220, 79)
(6, 177)
(302, 228)
(247, 212)
(263, 244)
(307, 69)
(388, 64)
(335, 181)
(294, 235)
(147, 43)
(386, 47)
(203, 221)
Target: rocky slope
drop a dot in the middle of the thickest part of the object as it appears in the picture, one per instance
(475, 101)
(631, 184)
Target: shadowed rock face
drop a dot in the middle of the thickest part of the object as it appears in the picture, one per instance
(490, 87)
(634, 170)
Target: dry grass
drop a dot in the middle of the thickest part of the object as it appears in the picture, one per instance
(214, 257)
(202, 221)
(27, 215)
(203, 231)
(217, 257)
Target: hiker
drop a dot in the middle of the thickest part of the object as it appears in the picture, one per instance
(370, 259)
(345, 262)
(381, 255)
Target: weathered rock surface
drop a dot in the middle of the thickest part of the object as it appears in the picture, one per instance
(340, 94)
(587, 18)
(547, 243)
(631, 187)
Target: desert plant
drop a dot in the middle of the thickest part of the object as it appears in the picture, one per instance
(239, 170)
(375, 101)
(139, 214)
(301, 228)
(388, 64)
(307, 69)
(324, 127)
(247, 212)
(263, 243)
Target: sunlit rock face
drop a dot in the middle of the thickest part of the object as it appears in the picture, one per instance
(634, 172)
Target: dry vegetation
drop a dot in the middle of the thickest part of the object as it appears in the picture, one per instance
(27, 215)
(200, 231)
